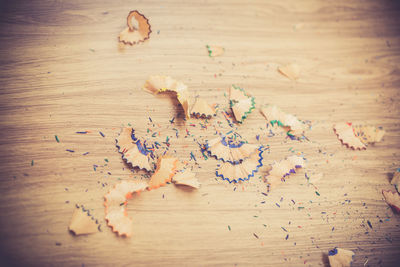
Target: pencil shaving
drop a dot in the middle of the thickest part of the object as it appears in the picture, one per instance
(396, 179)
(392, 198)
(159, 84)
(133, 150)
(166, 168)
(282, 169)
(345, 134)
(201, 109)
(133, 35)
(115, 203)
(368, 134)
(186, 177)
(233, 173)
(241, 103)
(275, 116)
(82, 223)
(230, 150)
(340, 257)
(215, 51)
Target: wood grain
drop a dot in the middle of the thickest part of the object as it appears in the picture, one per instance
(62, 70)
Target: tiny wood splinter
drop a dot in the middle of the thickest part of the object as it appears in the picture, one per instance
(132, 35)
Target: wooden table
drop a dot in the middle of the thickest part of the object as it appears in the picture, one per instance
(63, 71)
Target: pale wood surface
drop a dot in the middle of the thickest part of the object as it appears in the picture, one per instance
(62, 71)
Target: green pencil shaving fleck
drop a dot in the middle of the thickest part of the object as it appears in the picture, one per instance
(106, 160)
(58, 140)
(316, 192)
(32, 163)
(300, 208)
(277, 122)
(204, 155)
(229, 227)
(209, 50)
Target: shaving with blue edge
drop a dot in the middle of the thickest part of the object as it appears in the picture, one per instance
(135, 151)
(340, 257)
(234, 173)
(229, 148)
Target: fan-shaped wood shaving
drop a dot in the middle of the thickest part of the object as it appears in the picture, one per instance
(132, 35)
(345, 134)
(222, 151)
(158, 84)
(115, 206)
(82, 223)
(130, 151)
(276, 116)
(340, 257)
(166, 168)
(242, 171)
(186, 177)
(201, 109)
(280, 170)
(368, 134)
(241, 103)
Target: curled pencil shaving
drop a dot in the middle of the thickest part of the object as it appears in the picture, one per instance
(215, 51)
(82, 223)
(368, 134)
(230, 150)
(201, 109)
(291, 71)
(186, 177)
(345, 134)
(233, 173)
(166, 168)
(340, 257)
(158, 84)
(392, 198)
(115, 203)
(241, 103)
(282, 169)
(133, 150)
(133, 35)
(276, 116)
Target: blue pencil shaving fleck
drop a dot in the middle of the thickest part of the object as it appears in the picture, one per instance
(102, 134)
(69, 150)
